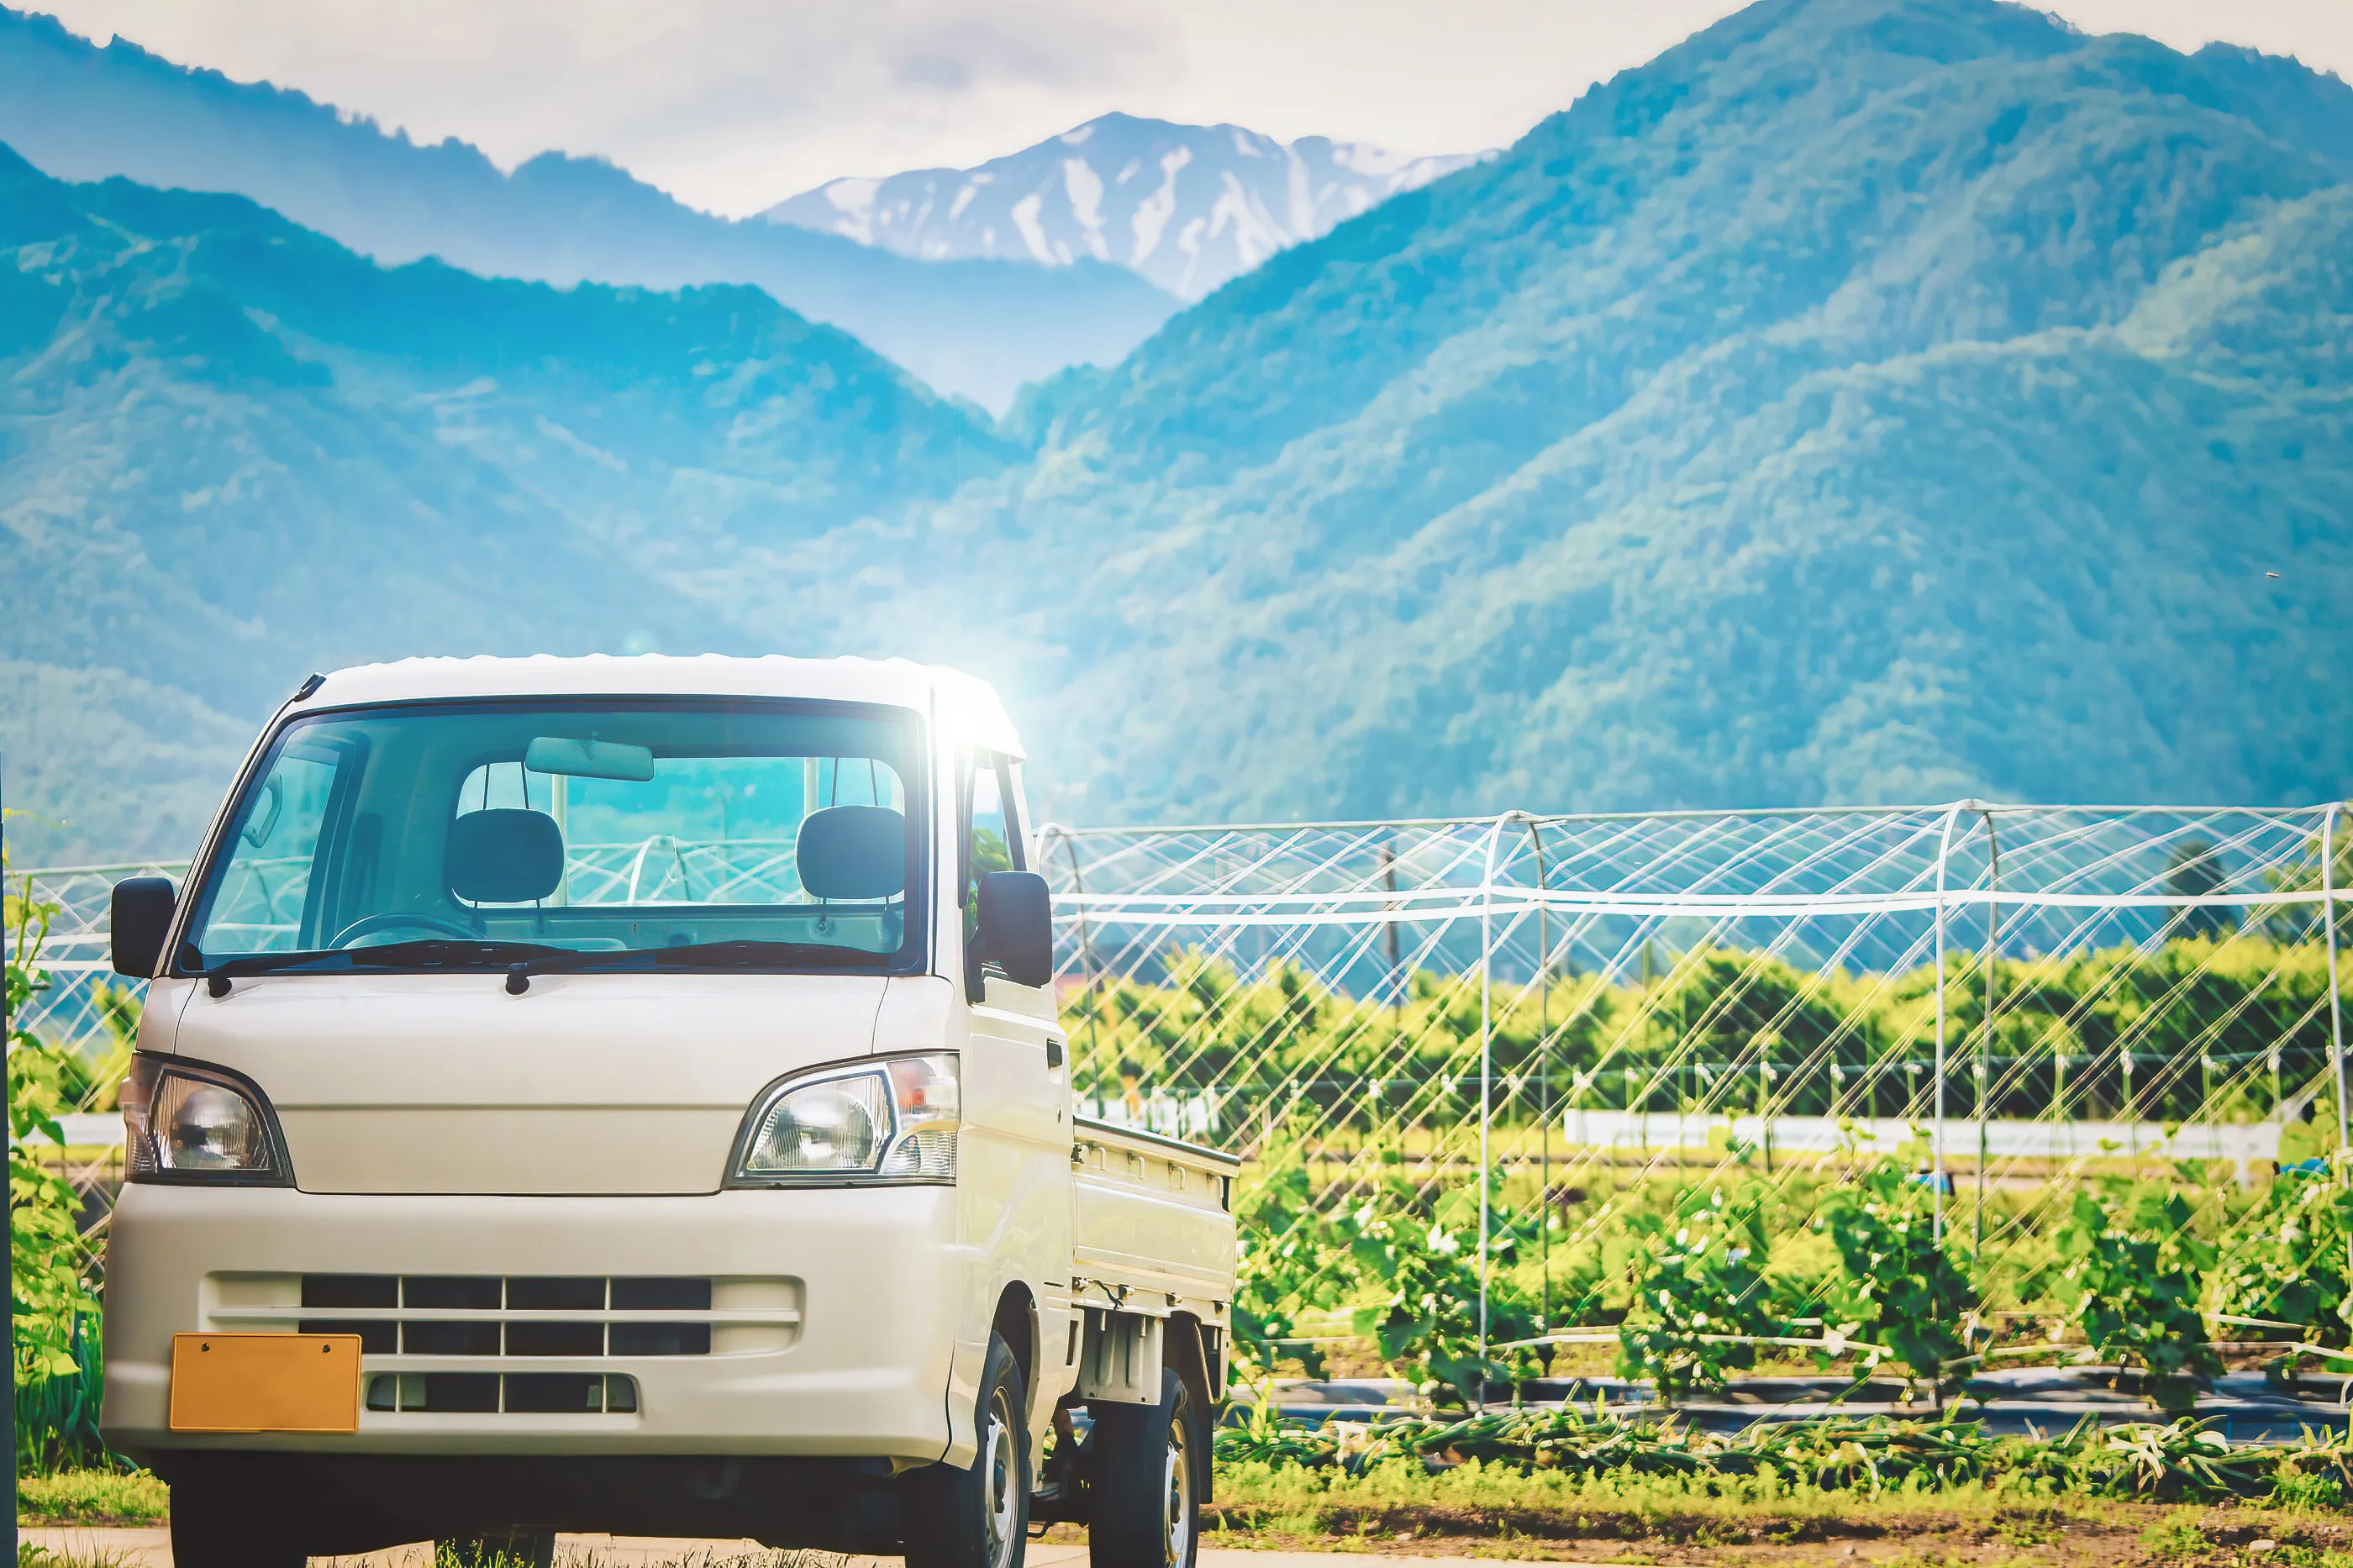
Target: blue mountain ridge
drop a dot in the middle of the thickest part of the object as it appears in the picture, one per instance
(972, 328)
(232, 450)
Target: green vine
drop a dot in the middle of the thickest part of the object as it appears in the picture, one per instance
(1901, 1288)
(1699, 1291)
(2130, 1278)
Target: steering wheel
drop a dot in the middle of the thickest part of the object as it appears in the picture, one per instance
(368, 924)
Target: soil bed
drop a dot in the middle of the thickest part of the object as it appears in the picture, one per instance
(2087, 1533)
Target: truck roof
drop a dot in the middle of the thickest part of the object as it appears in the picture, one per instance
(965, 705)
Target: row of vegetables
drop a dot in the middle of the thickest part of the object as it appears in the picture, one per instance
(1853, 1268)
(2177, 1460)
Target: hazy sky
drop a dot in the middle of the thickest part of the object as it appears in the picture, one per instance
(736, 104)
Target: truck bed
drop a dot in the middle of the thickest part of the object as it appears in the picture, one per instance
(1155, 1224)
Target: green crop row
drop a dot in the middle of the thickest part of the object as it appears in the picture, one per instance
(2220, 1024)
(1693, 1276)
(2179, 1459)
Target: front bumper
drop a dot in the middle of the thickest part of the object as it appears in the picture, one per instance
(864, 1373)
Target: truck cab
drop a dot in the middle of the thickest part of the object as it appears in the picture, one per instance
(627, 1095)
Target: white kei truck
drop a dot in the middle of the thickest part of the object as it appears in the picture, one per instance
(625, 1095)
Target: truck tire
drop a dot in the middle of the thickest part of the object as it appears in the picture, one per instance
(216, 1526)
(1146, 1457)
(977, 1518)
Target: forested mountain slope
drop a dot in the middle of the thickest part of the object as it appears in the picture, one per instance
(1868, 399)
(974, 327)
(231, 452)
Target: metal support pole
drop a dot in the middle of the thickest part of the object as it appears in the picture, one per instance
(7, 1031)
(1985, 1041)
(1937, 1177)
(1486, 1073)
(2336, 1004)
(1543, 1092)
(1397, 986)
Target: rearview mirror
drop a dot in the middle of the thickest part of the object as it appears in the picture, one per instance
(589, 759)
(140, 915)
(1015, 928)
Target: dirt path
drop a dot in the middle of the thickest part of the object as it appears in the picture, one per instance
(2085, 1533)
(153, 1549)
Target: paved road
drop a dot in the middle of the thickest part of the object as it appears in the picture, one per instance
(153, 1549)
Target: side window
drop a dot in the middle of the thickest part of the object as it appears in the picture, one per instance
(266, 897)
(992, 836)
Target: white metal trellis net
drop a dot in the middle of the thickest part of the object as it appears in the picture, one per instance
(1528, 1007)
(1541, 1005)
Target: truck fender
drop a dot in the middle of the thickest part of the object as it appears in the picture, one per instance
(1190, 1355)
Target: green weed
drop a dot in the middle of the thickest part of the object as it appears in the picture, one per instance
(2174, 1537)
(93, 1496)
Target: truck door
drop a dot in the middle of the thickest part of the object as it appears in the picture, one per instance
(1015, 1194)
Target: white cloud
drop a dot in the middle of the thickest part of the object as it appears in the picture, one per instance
(734, 105)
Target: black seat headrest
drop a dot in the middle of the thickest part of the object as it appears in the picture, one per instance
(503, 857)
(853, 852)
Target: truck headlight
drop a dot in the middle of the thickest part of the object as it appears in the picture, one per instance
(190, 1121)
(893, 1119)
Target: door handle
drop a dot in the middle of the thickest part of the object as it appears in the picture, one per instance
(1053, 1051)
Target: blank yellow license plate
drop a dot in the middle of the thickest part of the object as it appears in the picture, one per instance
(265, 1382)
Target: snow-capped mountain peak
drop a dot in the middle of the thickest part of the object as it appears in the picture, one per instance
(1187, 206)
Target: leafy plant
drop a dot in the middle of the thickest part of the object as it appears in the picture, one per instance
(2131, 1280)
(1426, 1265)
(2302, 1481)
(2287, 1260)
(1901, 1286)
(57, 1417)
(1288, 1264)
(43, 1243)
(1700, 1290)
(1429, 1319)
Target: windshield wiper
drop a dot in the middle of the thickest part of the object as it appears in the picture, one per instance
(741, 951)
(437, 951)
(219, 973)
(554, 960)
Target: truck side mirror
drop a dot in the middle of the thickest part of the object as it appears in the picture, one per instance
(1015, 928)
(142, 913)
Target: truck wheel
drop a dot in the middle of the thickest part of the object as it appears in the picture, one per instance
(214, 1527)
(977, 1518)
(530, 1548)
(1146, 1508)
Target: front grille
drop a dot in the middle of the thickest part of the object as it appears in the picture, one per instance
(615, 1329)
(513, 1393)
(472, 1336)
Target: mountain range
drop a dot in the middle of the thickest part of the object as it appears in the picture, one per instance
(1865, 400)
(229, 445)
(978, 329)
(1187, 206)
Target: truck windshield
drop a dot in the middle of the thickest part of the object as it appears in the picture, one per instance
(424, 835)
